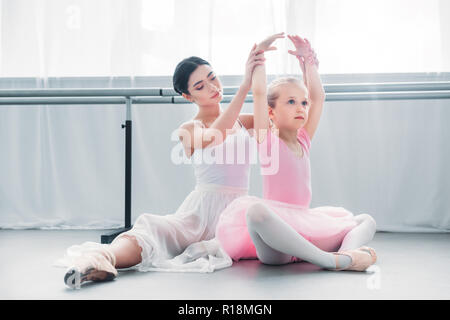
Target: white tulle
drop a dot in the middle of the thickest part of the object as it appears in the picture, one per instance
(205, 256)
(76, 251)
(180, 242)
(175, 243)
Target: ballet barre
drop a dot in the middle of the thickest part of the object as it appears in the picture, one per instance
(130, 96)
(334, 92)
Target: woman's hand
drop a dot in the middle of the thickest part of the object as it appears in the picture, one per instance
(303, 51)
(255, 58)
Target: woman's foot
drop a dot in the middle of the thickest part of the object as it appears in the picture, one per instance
(97, 265)
(361, 259)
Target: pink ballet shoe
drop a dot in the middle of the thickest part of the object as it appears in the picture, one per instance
(371, 251)
(361, 258)
(97, 265)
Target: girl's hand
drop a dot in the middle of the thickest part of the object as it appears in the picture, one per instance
(311, 60)
(303, 51)
(255, 58)
(266, 44)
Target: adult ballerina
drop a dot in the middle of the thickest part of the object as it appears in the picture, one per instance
(157, 238)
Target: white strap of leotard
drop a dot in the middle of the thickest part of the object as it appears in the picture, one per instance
(201, 122)
(242, 126)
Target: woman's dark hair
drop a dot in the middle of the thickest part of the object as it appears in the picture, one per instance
(183, 72)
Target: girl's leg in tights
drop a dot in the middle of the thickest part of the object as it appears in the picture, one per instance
(127, 251)
(276, 241)
(361, 234)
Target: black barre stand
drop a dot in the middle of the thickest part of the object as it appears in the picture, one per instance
(109, 237)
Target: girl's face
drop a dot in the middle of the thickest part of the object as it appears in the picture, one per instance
(291, 107)
(204, 86)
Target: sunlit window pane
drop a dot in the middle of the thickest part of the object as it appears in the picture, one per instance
(47, 38)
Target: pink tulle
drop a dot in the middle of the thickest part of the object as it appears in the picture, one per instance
(325, 227)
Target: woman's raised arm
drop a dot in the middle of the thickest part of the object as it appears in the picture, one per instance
(193, 136)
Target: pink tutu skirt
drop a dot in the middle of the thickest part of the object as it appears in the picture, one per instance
(325, 227)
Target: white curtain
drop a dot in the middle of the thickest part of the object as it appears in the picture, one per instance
(388, 159)
(63, 166)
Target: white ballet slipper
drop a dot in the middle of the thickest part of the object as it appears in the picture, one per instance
(95, 265)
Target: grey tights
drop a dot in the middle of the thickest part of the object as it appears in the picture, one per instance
(276, 241)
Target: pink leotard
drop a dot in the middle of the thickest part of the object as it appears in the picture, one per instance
(292, 182)
(287, 191)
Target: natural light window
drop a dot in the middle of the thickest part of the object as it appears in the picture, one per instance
(355, 36)
(149, 37)
(157, 15)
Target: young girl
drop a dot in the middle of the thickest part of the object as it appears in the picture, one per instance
(281, 228)
(156, 238)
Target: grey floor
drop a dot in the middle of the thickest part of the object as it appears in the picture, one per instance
(410, 266)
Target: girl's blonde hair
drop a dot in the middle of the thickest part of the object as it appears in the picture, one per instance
(272, 92)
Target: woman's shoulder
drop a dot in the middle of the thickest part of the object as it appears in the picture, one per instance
(187, 129)
(191, 124)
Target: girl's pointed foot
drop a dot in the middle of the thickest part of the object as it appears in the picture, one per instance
(362, 258)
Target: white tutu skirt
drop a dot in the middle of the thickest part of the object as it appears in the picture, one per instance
(164, 237)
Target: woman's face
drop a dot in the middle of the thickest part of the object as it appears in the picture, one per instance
(291, 107)
(204, 86)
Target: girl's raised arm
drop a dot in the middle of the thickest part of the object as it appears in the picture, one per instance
(260, 105)
(309, 64)
(227, 119)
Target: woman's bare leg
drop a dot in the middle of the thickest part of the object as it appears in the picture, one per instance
(127, 251)
(101, 264)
